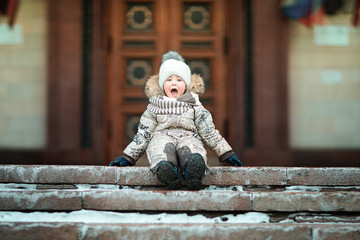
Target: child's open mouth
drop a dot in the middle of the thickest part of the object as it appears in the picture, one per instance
(174, 92)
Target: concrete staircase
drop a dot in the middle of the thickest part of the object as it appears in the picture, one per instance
(94, 202)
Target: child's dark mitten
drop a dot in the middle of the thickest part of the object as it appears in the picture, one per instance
(233, 160)
(121, 162)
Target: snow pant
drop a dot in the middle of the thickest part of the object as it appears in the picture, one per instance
(175, 150)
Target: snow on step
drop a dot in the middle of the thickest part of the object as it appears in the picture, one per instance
(91, 216)
(95, 216)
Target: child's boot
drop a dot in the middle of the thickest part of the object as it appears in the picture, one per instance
(194, 171)
(167, 173)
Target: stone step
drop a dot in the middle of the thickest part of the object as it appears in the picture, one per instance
(210, 199)
(141, 176)
(82, 231)
(299, 203)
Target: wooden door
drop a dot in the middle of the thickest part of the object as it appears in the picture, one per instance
(140, 33)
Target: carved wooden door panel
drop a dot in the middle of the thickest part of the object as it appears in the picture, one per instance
(140, 32)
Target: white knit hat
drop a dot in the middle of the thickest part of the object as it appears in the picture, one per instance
(173, 64)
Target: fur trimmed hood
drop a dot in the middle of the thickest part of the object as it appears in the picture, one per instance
(152, 87)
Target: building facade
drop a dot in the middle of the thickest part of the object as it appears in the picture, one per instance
(283, 93)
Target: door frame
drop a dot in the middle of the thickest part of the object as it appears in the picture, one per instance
(164, 36)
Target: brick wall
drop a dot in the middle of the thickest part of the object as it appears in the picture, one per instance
(324, 88)
(23, 80)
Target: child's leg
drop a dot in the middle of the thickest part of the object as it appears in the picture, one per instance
(163, 161)
(187, 146)
(161, 148)
(192, 158)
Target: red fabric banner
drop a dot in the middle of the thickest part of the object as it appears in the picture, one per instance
(9, 9)
(355, 21)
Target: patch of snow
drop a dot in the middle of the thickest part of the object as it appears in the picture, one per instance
(130, 188)
(345, 187)
(217, 188)
(318, 188)
(96, 187)
(16, 186)
(81, 187)
(330, 218)
(90, 216)
(319, 218)
(303, 189)
(288, 220)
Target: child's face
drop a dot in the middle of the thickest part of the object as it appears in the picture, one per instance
(174, 86)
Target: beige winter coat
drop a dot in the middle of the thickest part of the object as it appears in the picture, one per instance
(195, 122)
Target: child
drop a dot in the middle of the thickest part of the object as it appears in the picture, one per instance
(174, 127)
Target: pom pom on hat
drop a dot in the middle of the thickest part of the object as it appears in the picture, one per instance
(173, 64)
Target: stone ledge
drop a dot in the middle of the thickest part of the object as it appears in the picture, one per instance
(306, 201)
(57, 174)
(141, 176)
(39, 231)
(40, 200)
(323, 176)
(162, 200)
(198, 231)
(167, 200)
(74, 231)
